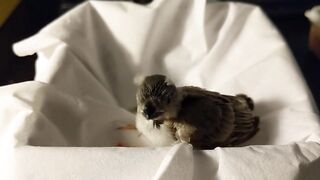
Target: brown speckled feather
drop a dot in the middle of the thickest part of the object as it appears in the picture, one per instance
(208, 119)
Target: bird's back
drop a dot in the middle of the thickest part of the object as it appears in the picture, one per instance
(219, 120)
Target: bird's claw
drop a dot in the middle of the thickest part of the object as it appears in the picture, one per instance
(127, 127)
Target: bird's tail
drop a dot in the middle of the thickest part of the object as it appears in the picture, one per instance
(247, 99)
(246, 123)
(244, 130)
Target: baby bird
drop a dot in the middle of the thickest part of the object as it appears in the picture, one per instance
(167, 114)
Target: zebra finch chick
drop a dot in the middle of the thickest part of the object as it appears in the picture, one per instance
(167, 114)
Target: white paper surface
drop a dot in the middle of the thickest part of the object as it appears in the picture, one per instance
(83, 89)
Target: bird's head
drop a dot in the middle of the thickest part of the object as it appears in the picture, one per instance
(157, 98)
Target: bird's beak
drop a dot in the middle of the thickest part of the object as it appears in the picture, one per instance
(153, 116)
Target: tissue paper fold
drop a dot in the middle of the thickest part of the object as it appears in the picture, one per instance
(65, 123)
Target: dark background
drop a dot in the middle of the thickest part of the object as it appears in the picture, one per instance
(31, 15)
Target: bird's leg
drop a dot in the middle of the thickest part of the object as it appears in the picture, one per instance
(185, 139)
(127, 127)
(184, 132)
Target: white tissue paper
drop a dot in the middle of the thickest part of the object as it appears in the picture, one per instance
(66, 124)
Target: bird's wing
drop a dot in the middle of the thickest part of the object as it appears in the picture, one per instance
(246, 124)
(219, 116)
(210, 112)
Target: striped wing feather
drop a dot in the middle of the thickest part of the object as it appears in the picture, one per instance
(219, 120)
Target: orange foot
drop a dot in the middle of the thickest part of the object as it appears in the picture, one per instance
(127, 127)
